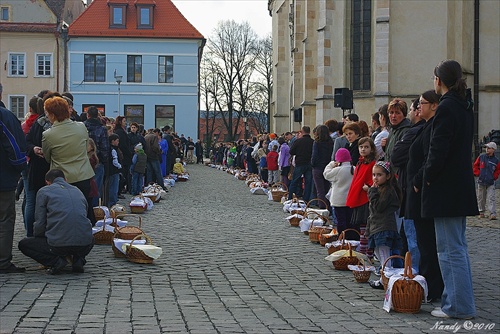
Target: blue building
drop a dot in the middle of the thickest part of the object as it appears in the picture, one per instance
(139, 59)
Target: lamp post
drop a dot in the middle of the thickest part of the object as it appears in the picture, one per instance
(245, 120)
(118, 79)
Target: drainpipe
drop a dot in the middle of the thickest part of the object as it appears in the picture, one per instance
(477, 149)
(58, 60)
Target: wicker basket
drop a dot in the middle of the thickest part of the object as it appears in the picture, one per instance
(136, 255)
(362, 276)
(278, 190)
(343, 262)
(129, 232)
(308, 208)
(343, 245)
(99, 213)
(103, 237)
(115, 250)
(316, 231)
(116, 210)
(406, 293)
(294, 221)
(138, 209)
(383, 278)
(325, 238)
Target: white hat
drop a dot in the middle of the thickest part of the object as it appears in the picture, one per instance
(492, 145)
(138, 146)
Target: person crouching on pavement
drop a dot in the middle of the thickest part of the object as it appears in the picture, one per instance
(62, 231)
(178, 167)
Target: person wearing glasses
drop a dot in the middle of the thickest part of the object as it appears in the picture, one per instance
(448, 189)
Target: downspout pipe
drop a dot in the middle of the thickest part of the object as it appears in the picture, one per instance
(477, 148)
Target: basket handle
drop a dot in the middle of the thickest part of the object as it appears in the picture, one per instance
(342, 235)
(316, 199)
(323, 218)
(408, 268)
(391, 257)
(128, 215)
(148, 239)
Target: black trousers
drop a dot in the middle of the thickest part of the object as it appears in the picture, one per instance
(39, 250)
(429, 264)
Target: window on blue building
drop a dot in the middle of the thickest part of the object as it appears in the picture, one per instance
(165, 69)
(134, 68)
(164, 115)
(134, 113)
(94, 68)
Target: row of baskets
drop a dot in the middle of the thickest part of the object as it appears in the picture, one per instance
(407, 294)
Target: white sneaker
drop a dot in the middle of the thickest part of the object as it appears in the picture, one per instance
(438, 313)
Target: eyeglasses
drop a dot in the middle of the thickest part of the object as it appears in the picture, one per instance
(424, 102)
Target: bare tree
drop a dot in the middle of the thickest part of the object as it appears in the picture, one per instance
(264, 84)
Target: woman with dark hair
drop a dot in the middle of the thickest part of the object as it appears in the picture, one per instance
(36, 162)
(448, 191)
(120, 128)
(321, 156)
(383, 118)
(424, 227)
(64, 146)
(352, 133)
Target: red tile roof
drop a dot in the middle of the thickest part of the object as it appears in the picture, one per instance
(168, 21)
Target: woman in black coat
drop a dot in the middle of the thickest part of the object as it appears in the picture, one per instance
(424, 227)
(448, 193)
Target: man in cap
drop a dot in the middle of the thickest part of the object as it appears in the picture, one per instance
(487, 169)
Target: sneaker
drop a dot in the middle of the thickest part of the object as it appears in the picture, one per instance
(481, 215)
(12, 269)
(376, 285)
(438, 313)
(493, 217)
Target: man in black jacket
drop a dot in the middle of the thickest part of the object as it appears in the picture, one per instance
(302, 150)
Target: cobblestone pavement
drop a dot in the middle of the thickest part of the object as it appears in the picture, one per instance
(231, 264)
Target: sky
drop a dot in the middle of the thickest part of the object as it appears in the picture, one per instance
(205, 14)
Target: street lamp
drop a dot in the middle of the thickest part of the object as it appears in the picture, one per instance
(118, 79)
(246, 127)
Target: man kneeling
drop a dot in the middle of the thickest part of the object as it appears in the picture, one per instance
(62, 231)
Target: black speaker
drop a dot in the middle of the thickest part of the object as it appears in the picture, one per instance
(297, 115)
(342, 98)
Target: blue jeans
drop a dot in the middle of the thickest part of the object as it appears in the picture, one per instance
(458, 296)
(298, 171)
(29, 205)
(99, 178)
(114, 183)
(411, 238)
(153, 172)
(137, 181)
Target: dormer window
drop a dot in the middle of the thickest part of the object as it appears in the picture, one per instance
(117, 15)
(145, 16)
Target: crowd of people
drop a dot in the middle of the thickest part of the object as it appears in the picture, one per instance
(55, 147)
(405, 182)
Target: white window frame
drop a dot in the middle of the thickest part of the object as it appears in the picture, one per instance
(24, 75)
(20, 117)
(2, 8)
(50, 75)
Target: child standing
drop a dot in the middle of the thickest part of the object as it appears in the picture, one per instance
(357, 198)
(114, 169)
(272, 165)
(381, 230)
(339, 173)
(138, 168)
(487, 168)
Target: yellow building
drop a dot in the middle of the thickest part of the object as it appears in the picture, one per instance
(380, 49)
(32, 44)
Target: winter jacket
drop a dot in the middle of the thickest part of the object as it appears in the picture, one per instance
(61, 215)
(272, 160)
(487, 168)
(284, 156)
(12, 150)
(362, 175)
(321, 154)
(38, 166)
(384, 202)
(139, 162)
(302, 149)
(395, 135)
(99, 135)
(341, 179)
(448, 187)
